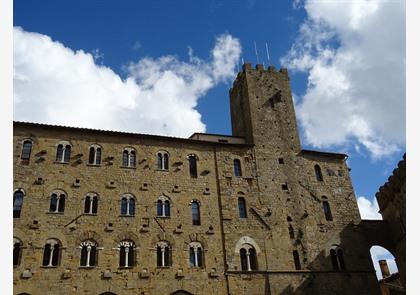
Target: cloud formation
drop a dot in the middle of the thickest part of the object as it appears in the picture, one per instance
(354, 53)
(57, 85)
(368, 209)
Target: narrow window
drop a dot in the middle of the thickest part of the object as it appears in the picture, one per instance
(196, 254)
(88, 254)
(59, 155)
(67, 153)
(271, 100)
(243, 256)
(193, 166)
(51, 253)
(165, 161)
(98, 156)
(17, 247)
(131, 207)
(125, 158)
(160, 161)
(195, 208)
(163, 254)
(124, 206)
(340, 259)
(237, 168)
(252, 258)
(91, 155)
(132, 159)
(327, 210)
(26, 150)
(17, 203)
(248, 257)
(334, 261)
(159, 208)
(91, 205)
(318, 173)
(127, 257)
(57, 203)
(296, 259)
(167, 208)
(291, 232)
(128, 206)
(242, 208)
(87, 205)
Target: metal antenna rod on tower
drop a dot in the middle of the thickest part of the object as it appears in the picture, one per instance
(256, 52)
(242, 60)
(268, 55)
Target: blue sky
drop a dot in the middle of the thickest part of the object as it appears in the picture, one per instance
(348, 100)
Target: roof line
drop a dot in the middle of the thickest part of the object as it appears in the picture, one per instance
(125, 133)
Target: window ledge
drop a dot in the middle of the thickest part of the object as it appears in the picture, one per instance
(57, 213)
(59, 162)
(46, 266)
(128, 167)
(163, 267)
(163, 217)
(162, 170)
(87, 267)
(90, 214)
(125, 267)
(126, 215)
(93, 165)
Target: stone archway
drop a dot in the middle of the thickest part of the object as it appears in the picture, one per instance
(107, 293)
(181, 292)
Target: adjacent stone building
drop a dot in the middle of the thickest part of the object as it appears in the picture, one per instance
(104, 212)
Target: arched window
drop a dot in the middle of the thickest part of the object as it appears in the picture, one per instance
(163, 207)
(162, 160)
(291, 230)
(248, 257)
(195, 208)
(163, 254)
(51, 253)
(242, 207)
(26, 150)
(337, 259)
(327, 209)
(128, 205)
(196, 254)
(237, 168)
(17, 251)
(318, 173)
(63, 153)
(192, 160)
(129, 157)
(95, 153)
(17, 203)
(91, 204)
(57, 202)
(88, 253)
(127, 255)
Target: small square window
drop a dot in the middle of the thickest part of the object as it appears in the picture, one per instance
(281, 161)
(284, 187)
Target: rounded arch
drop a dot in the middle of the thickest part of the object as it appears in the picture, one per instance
(128, 195)
(246, 240)
(181, 292)
(89, 236)
(164, 197)
(128, 235)
(193, 155)
(19, 189)
(64, 143)
(383, 261)
(107, 293)
(54, 235)
(57, 191)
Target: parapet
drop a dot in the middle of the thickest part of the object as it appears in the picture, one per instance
(260, 67)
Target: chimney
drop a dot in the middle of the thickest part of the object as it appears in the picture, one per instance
(384, 268)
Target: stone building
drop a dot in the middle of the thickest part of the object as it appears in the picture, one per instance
(391, 201)
(104, 212)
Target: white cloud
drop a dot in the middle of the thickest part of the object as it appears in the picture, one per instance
(368, 209)
(354, 53)
(379, 253)
(54, 84)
